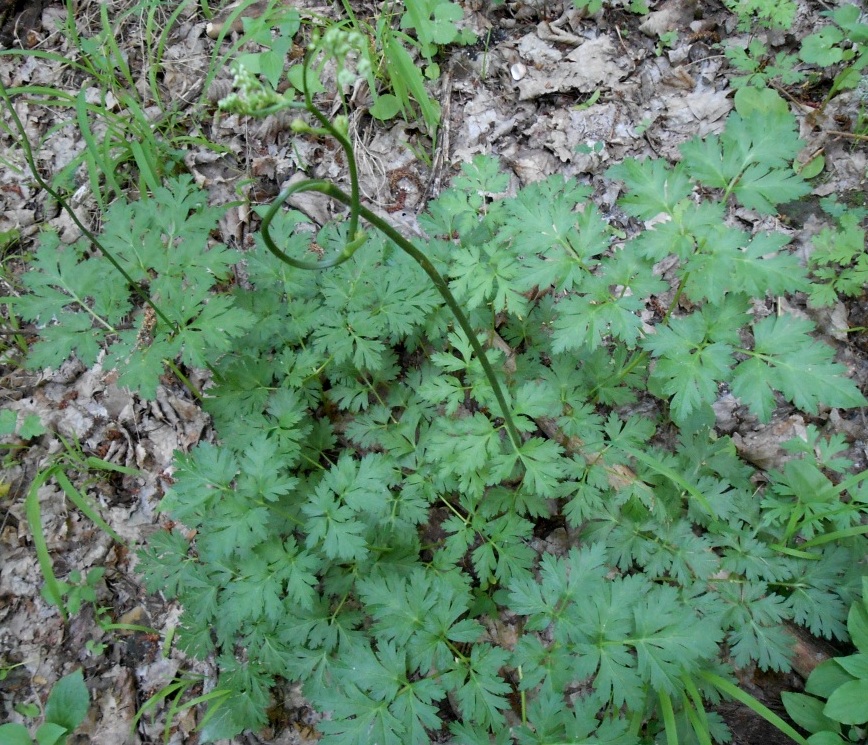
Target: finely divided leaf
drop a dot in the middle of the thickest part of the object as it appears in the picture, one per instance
(358, 718)
(482, 697)
(751, 159)
(542, 216)
(653, 186)
(333, 526)
(761, 189)
(670, 640)
(786, 358)
(688, 367)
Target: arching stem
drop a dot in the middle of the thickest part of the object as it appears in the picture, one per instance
(330, 190)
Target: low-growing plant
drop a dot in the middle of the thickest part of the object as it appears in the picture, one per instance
(758, 68)
(56, 469)
(845, 42)
(390, 56)
(592, 7)
(78, 590)
(162, 242)
(176, 694)
(834, 708)
(773, 14)
(838, 262)
(65, 710)
(403, 423)
(367, 551)
(25, 428)
(275, 31)
(385, 47)
(68, 595)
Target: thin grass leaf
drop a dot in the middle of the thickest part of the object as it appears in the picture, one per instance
(128, 627)
(114, 50)
(673, 476)
(668, 718)
(104, 465)
(837, 535)
(50, 56)
(693, 691)
(82, 503)
(155, 699)
(146, 168)
(407, 81)
(94, 167)
(697, 719)
(733, 691)
(176, 707)
(34, 520)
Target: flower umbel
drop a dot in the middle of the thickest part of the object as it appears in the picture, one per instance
(340, 43)
(250, 96)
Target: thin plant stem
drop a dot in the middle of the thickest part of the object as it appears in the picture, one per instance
(31, 162)
(329, 189)
(733, 691)
(357, 239)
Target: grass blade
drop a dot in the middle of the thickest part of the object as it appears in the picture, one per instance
(83, 505)
(733, 691)
(34, 520)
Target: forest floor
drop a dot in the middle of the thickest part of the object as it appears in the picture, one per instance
(546, 89)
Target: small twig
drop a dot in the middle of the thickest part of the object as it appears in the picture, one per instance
(5, 332)
(442, 146)
(784, 92)
(850, 135)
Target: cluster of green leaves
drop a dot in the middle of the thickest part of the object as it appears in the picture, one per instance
(722, 267)
(400, 34)
(435, 24)
(275, 32)
(774, 14)
(79, 590)
(58, 468)
(837, 690)
(838, 263)
(162, 243)
(592, 7)
(366, 519)
(758, 68)
(388, 57)
(365, 525)
(65, 710)
(845, 42)
(29, 427)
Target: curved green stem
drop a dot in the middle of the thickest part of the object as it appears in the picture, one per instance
(355, 242)
(733, 691)
(347, 147)
(330, 190)
(438, 281)
(357, 238)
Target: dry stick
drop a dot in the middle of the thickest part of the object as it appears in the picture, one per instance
(850, 135)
